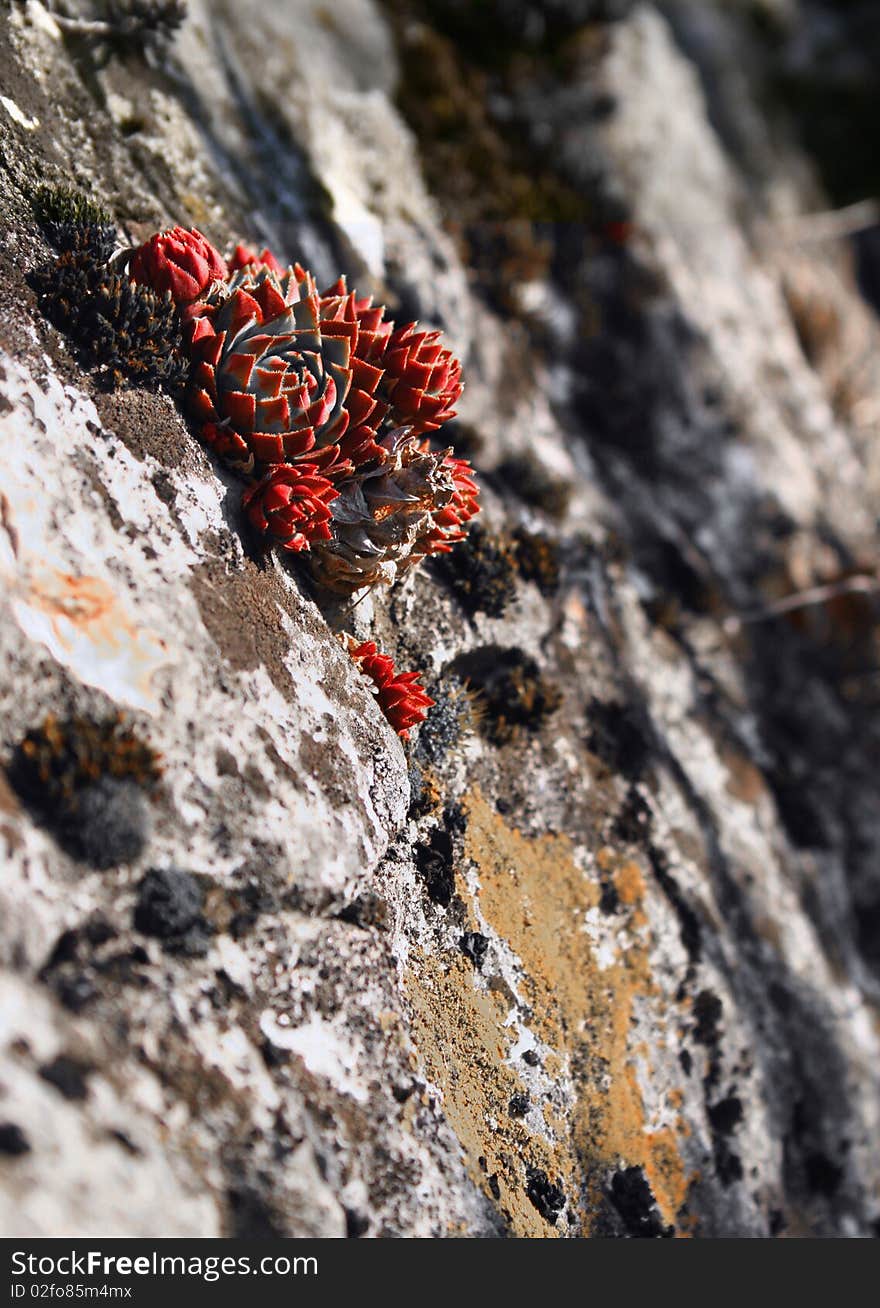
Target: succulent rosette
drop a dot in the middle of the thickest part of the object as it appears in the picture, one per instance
(182, 262)
(448, 521)
(399, 695)
(243, 257)
(291, 504)
(374, 332)
(382, 514)
(422, 379)
(278, 376)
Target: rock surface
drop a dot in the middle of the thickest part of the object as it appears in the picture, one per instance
(598, 951)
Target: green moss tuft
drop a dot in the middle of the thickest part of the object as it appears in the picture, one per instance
(62, 205)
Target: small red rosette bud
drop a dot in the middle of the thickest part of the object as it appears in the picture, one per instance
(448, 523)
(290, 504)
(422, 380)
(180, 261)
(404, 702)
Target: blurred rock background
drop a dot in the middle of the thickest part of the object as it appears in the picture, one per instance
(598, 951)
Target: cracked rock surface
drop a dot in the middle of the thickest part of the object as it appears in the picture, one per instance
(596, 952)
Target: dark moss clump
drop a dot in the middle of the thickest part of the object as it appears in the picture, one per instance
(538, 557)
(534, 485)
(73, 222)
(169, 907)
(449, 719)
(126, 27)
(112, 823)
(513, 694)
(125, 329)
(499, 194)
(481, 572)
(87, 781)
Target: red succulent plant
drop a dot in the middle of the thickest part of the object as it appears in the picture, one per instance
(404, 702)
(180, 261)
(290, 504)
(422, 380)
(279, 375)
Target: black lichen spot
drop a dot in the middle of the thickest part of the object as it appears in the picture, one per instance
(549, 1199)
(250, 1217)
(633, 822)
(13, 1141)
(86, 781)
(799, 811)
(494, 1187)
(274, 1056)
(726, 1115)
(82, 957)
(538, 557)
(125, 1142)
(68, 1076)
(481, 572)
(620, 737)
(708, 1010)
(728, 1165)
(823, 1175)
(633, 1199)
(474, 946)
(532, 1058)
(435, 862)
(609, 899)
(688, 922)
(687, 1063)
(519, 1105)
(169, 907)
(534, 485)
(243, 906)
(513, 693)
(367, 910)
(356, 1224)
(126, 330)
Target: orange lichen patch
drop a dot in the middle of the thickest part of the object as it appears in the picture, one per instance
(88, 629)
(663, 1168)
(629, 883)
(459, 1031)
(536, 897)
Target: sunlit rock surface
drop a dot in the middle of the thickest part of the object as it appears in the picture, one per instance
(597, 952)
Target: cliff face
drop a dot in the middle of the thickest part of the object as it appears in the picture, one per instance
(597, 951)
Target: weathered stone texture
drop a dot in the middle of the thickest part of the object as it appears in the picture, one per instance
(597, 952)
